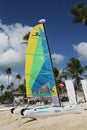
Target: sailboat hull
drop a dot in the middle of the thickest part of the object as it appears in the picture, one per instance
(45, 111)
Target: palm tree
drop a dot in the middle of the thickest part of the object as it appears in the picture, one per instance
(79, 13)
(56, 72)
(8, 72)
(1, 88)
(75, 70)
(26, 38)
(18, 76)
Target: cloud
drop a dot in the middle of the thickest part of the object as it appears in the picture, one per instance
(3, 41)
(12, 53)
(81, 49)
(57, 58)
(3, 79)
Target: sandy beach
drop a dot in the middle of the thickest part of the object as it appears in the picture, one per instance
(60, 122)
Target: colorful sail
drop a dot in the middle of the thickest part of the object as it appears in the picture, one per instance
(38, 68)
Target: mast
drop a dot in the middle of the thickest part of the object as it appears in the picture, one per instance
(42, 21)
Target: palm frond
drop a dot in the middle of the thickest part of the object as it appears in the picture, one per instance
(26, 36)
(74, 12)
(79, 13)
(80, 5)
(77, 20)
(24, 43)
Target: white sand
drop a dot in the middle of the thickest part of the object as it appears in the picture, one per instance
(10, 121)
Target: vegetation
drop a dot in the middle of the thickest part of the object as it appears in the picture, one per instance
(79, 13)
(75, 70)
(1, 88)
(26, 36)
(7, 94)
(18, 76)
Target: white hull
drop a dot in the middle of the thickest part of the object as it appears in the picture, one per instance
(45, 111)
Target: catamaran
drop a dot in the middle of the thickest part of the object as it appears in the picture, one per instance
(40, 81)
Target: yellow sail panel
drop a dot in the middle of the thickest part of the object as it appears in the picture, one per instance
(28, 90)
(32, 46)
(54, 92)
(28, 66)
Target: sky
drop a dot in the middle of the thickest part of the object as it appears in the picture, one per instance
(17, 17)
